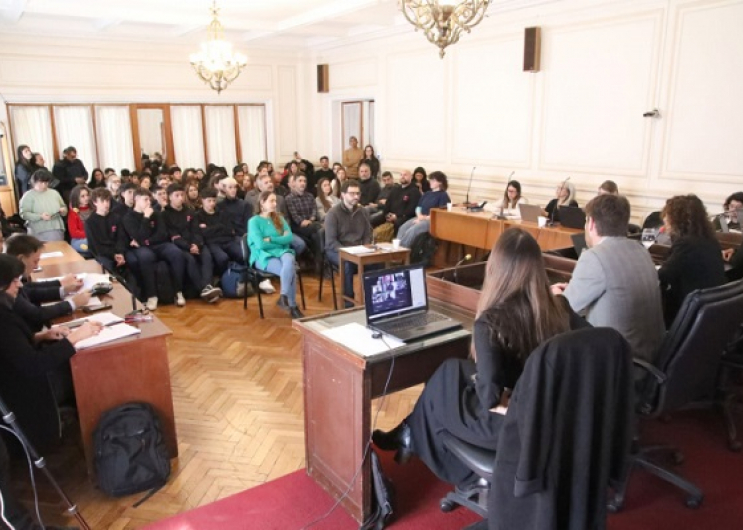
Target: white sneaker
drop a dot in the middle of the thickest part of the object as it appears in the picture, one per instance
(151, 303)
(266, 287)
(179, 300)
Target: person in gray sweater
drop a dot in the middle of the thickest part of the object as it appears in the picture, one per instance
(347, 224)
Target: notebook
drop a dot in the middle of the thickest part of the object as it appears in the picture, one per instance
(397, 304)
(530, 212)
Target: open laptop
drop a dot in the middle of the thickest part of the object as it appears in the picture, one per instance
(397, 304)
(572, 217)
(530, 212)
(579, 242)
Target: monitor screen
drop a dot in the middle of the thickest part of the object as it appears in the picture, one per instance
(394, 291)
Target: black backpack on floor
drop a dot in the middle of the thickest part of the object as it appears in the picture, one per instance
(130, 452)
(422, 249)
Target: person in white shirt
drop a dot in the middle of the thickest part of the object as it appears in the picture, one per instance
(511, 200)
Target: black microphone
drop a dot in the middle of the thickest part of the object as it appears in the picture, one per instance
(456, 267)
(505, 197)
(557, 202)
(469, 187)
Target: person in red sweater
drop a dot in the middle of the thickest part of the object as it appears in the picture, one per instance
(78, 213)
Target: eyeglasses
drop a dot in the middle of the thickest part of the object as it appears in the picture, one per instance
(354, 193)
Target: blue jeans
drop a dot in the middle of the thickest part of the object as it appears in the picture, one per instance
(81, 245)
(298, 245)
(285, 269)
(410, 230)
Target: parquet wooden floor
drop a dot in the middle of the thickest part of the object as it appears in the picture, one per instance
(237, 392)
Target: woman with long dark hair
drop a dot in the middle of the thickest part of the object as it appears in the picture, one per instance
(79, 211)
(270, 239)
(371, 158)
(512, 198)
(97, 179)
(325, 199)
(695, 261)
(516, 313)
(24, 168)
(420, 179)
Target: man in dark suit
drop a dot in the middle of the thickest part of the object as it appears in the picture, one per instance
(615, 283)
(69, 171)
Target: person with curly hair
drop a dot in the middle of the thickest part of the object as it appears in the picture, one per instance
(695, 261)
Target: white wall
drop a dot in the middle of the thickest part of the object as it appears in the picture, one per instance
(603, 65)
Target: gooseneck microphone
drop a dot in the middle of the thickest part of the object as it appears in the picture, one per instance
(469, 187)
(456, 267)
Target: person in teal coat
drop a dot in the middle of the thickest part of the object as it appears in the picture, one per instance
(269, 239)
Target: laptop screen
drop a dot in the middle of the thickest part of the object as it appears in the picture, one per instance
(394, 292)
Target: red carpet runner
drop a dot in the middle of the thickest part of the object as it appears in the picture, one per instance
(292, 501)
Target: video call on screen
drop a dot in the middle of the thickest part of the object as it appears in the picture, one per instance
(391, 292)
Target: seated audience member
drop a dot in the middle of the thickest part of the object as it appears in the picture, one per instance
(266, 183)
(237, 212)
(161, 198)
(402, 202)
(102, 230)
(515, 314)
(608, 187)
(145, 181)
(238, 173)
(420, 179)
(217, 231)
(248, 184)
(370, 187)
(269, 238)
(324, 171)
(512, 199)
(193, 200)
(388, 185)
(113, 183)
(28, 303)
(30, 363)
(184, 234)
(251, 196)
(109, 171)
(564, 196)
(176, 174)
(125, 201)
(278, 186)
(341, 177)
(97, 179)
(435, 198)
(163, 181)
(732, 208)
(615, 283)
(79, 212)
(42, 208)
(304, 218)
(325, 198)
(347, 224)
(147, 242)
(134, 178)
(695, 260)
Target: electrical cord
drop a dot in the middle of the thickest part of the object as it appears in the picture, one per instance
(32, 476)
(2, 512)
(368, 442)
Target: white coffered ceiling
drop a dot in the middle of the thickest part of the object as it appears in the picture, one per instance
(295, 24)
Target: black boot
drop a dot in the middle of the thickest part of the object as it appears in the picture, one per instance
(398, 439)
(283, 302)
(296, 313)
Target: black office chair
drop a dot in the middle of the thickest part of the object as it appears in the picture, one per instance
(331, 268)
(586, 374)
(686, 373)
(730, 387)
(256, 276)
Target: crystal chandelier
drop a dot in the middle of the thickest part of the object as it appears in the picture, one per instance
(215, 64)
(443, 21)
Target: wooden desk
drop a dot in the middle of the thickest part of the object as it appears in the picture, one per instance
(384, 254)
(480, 230)
(130, 369)
(338, 388)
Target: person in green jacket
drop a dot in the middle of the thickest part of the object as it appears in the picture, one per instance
(43, 208)
(269, 239)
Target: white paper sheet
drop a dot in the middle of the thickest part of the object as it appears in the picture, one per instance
(107, 319)
(119, 331)
(359, 339)
(358, 249)
(55, 254)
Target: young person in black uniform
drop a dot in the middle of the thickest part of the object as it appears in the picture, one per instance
(102, 229)
(516, 313)
(695, 261)
(28, 303)
(217, 232)
(27, 359)
(236, 212)
(184, 234)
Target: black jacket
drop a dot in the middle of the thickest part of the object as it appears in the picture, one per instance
(214, 228)
(370, 189)
(238, 213)
(566, 435)
(146, 232)
(37, 316)
(402, 202)
(23, 379)
(104, 235)
(66, 172)
(180, 227)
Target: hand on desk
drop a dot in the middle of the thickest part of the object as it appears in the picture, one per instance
(87, 330)
(558, 288)
(70, 283)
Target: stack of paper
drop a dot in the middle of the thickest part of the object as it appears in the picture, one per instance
(358, 249)
(105, 319)
(358, 338)
(108, 334)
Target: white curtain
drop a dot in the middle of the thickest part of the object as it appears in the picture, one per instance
(32, 126)
(151, 132)
(114, 130)
(220, 135)
(188, 139)
(351, 123)
(252, 126)
(74, 126)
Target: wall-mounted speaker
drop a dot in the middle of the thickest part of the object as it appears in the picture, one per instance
(323, 79)
(532, 48)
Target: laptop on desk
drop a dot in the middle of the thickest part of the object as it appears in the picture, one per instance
(530, 212)
(396, 303)
(572, 217)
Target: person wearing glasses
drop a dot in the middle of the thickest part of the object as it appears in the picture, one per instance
(347, 224)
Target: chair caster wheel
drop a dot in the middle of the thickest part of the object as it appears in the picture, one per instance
(693, 502)
(678, 458)
(446, 505)
(735, 446)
